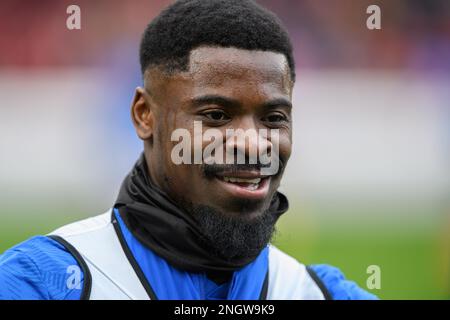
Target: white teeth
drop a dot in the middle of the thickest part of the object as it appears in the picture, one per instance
(253, 184)
(253, 187)
(252, 181)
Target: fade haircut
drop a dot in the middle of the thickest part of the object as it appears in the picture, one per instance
(188, 24)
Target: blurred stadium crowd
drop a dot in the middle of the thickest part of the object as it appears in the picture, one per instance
(326, 33)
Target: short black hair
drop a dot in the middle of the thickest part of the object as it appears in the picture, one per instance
(187, 24)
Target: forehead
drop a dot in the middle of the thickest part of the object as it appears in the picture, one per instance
(241, 74)
(217, 66)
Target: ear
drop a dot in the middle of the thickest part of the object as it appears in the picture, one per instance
(142, 115)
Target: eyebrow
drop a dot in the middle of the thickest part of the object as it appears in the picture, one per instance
(215, 99)
(230, 102)
(278, 102)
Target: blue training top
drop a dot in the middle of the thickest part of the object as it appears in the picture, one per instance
(40, 268)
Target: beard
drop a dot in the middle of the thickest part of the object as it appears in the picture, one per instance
(232, 237)
(235, 237)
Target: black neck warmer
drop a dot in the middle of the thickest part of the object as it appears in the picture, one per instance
(170, 232)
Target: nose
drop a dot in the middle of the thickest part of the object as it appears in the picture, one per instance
(247, 143)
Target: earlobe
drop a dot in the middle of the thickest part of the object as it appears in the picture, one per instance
(142, 115)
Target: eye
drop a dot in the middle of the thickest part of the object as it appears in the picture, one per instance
(275, 117)
(216, 115)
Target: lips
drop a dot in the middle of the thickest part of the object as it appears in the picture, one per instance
(250, 184)
(244, 184)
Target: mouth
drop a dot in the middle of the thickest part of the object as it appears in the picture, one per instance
(249, 185)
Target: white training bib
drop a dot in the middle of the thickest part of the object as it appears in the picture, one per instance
(109, 275)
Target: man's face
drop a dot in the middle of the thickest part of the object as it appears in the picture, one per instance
(224, 88)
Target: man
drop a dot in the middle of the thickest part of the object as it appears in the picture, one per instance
(195, 228)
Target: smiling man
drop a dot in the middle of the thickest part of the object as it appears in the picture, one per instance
(199, 228)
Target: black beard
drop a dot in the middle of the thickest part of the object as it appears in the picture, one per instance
(234, 237)
(192, 236)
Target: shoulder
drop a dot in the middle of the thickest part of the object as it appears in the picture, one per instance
(84, 226)
(39, 268)
(330, 280)
(338, 287)
(289, 279)
(285, 266)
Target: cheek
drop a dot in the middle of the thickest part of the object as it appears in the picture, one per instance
(187, 182)
(285, 147)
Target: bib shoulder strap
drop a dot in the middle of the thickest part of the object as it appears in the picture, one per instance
(87, 277)
(96, 246)
(291, 280)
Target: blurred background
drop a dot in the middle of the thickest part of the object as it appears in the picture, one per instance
(369, 177)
